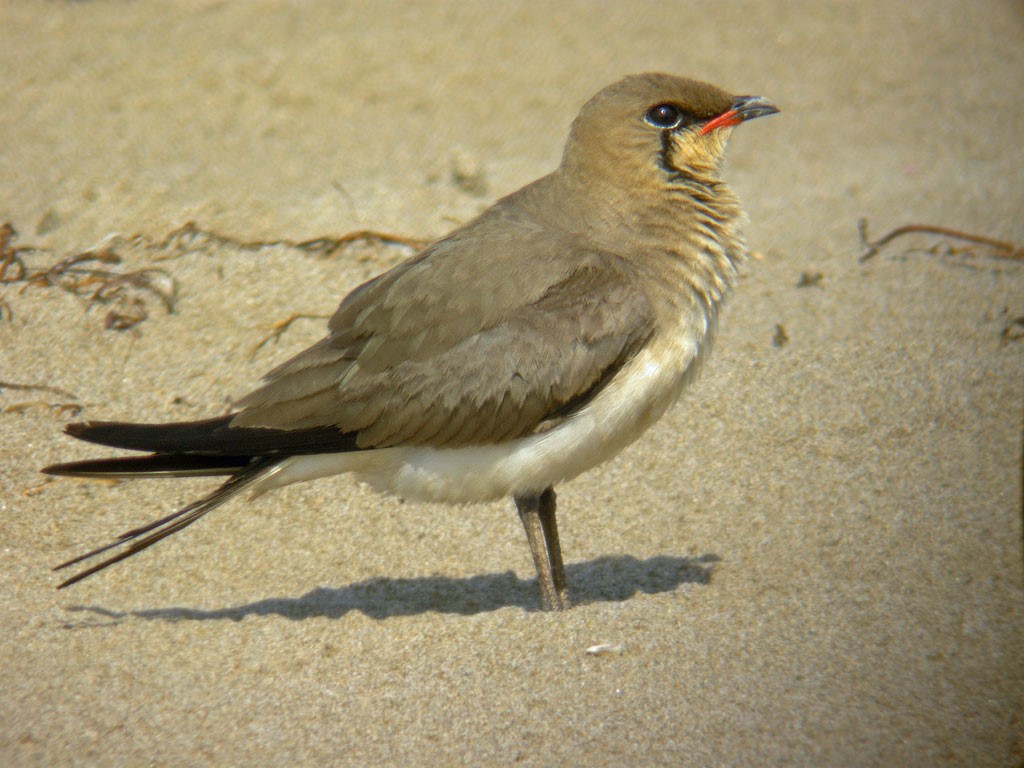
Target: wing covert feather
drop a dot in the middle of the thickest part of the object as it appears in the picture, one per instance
(419, 356)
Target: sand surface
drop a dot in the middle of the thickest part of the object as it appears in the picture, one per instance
(813, 560)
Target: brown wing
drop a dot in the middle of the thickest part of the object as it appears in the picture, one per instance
(427, 355)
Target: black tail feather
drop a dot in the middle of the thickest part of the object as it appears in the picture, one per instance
(157, 465)
(165, 526)
(197, 448)
(212, 437)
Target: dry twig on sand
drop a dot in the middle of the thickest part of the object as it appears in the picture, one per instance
(1000, 248)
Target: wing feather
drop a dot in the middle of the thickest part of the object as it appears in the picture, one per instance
(422, 356)
(484, 336)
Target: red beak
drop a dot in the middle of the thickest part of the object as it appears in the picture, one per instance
(744, 108)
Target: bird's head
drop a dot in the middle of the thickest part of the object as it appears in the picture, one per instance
(645, 128)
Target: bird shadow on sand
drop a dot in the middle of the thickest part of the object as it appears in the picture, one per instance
(604, 579)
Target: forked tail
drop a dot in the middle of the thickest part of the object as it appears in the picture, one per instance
(138, 539)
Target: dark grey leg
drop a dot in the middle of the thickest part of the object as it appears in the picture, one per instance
(550, 525)
(538, 516)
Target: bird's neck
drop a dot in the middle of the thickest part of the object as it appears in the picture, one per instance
(685, 218)
(707, 220)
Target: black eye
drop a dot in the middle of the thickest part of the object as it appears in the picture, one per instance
(664, 116)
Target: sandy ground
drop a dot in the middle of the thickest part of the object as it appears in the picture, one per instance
(814, 560)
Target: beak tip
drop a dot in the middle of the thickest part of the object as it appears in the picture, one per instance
(750, 107)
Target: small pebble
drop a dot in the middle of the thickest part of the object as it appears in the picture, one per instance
(604, 649)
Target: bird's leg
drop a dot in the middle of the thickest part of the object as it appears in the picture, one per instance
(538, 516)
(550, 525)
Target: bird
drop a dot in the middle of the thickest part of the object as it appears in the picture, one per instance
(525, 347)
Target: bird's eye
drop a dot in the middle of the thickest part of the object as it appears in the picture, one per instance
(664, 116)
